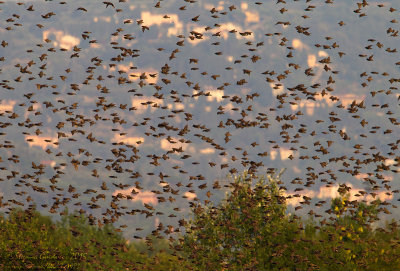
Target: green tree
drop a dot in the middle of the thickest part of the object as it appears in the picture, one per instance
(30, 240)
(249, 230)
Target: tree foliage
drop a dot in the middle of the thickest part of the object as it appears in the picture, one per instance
(251, 230)
(29, 240)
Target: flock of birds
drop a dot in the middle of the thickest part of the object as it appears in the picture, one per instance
(292, 129)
